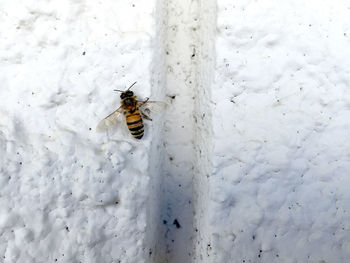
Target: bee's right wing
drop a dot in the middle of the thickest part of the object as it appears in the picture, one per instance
(153, 106)
(110, 121)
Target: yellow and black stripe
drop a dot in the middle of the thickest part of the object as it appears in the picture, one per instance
(135, 125)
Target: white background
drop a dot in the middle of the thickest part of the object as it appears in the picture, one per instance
(251, 156)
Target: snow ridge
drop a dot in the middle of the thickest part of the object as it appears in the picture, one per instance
(204, 131)
(154, 242)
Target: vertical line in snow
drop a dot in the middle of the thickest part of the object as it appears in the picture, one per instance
(204, 131)
(154, 249)
(178, 166)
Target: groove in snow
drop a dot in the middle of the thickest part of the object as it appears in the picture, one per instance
(178, 167)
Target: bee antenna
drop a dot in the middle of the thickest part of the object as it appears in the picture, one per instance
(132, 85)
(127, 89)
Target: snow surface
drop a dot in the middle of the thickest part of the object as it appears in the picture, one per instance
(179, 162)
(252, 160)
(279, 187)
(69, 194)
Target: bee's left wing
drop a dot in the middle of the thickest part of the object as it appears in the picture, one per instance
(151, 107)
(110, 120)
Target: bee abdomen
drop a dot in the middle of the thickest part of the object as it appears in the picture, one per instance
(135, 125)
(137, 132)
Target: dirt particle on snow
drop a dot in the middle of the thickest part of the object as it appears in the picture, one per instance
(176, 223)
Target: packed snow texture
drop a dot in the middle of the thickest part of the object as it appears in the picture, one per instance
(281, 107)
(259, 172)
(69, 194)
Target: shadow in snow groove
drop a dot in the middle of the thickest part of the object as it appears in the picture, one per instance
(178, 166)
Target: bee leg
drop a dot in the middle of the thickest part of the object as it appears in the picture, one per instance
(146, 116)
(143, 102)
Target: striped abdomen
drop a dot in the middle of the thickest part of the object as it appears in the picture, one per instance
(135, 125)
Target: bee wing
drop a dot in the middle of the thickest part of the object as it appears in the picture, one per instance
(110, 121)
(150, 107)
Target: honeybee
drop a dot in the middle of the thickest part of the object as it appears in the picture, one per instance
(134, 112)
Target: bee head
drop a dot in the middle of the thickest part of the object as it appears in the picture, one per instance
(126, 94)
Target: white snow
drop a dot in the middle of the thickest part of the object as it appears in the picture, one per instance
(179, 161)
(251, 157)
(69, 194)
(278, 191)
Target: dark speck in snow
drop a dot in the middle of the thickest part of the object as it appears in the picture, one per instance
(176, 223)
(165, 222)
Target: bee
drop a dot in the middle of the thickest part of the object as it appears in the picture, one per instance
(134, 112)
